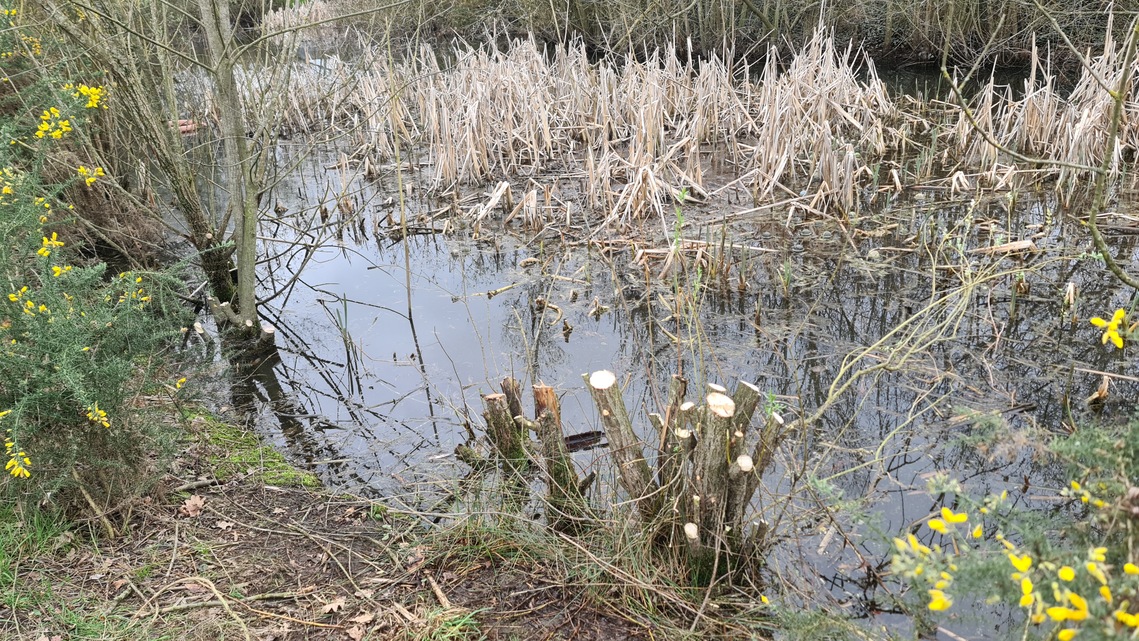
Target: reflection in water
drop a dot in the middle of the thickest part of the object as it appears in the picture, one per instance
(254, 370)
(377, 400)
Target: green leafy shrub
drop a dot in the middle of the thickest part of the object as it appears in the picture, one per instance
(79, 347)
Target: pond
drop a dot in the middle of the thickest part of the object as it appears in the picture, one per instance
(387, 344)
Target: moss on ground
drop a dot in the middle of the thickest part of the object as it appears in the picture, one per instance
(232, 451)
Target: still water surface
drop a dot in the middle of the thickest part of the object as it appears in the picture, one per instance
(383, 367)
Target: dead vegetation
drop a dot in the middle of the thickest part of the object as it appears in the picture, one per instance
(635, 133)
(896, 30)
(247, 560)
(1066, 134)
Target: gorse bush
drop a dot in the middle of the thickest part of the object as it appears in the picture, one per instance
(76, 350)
(1071, 571)
(79, 347)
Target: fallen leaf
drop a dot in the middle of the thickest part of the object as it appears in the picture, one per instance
(334, 605)
(62, 541)
(355, 633)
(416, 559)
(193, 506)
(223, 525)
(363, 619)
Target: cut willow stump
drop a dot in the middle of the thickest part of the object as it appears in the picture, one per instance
(741, 470)
(568, 508)
(710, 464)
(513, 391)
(775, 431)
(506, 428)
(675, 442)
(505, 435)
(632, 468)
(705, 477)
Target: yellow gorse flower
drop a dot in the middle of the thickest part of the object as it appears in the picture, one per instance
(90, 175)
(33, 43)
(950, 517)
(1111, 328)
(52, 124)
(1021, 563)
(1096, 572)
(8, 184)
(49, 244)
(94, 96)
(917, 545)
(97, 416)
(18, 461)
(1026, 588)
(1081, 606)
(939, 601)
(18, 464)
(1127, 619)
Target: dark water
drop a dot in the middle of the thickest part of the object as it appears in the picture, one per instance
(380, 396)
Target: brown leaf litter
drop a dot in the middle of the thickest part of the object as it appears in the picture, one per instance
(245, 560)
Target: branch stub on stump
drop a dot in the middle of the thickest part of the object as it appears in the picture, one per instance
(721, 404)
(691, 532)
(745, 463)
(602, 379)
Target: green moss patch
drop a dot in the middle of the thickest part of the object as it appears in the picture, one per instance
(231, 451)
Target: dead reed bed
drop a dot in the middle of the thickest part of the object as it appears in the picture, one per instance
(640, 130)
(1067, 134)
(299, 19)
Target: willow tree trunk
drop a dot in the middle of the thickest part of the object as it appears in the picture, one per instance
(242, 205)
